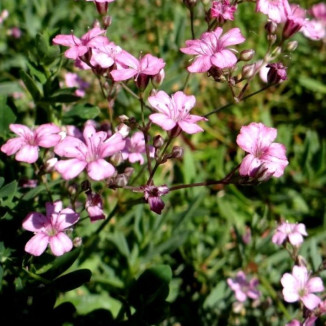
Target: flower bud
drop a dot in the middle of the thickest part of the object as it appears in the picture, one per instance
(248, 71)
(50, 163)
(142, 81)
(190, 3)
(123, 129)
(107, 21)
(177, 152)
(117, 158)
(271, 38)
(247, 55)
(271, 27)
(77, 242)
(292, 45)
(302, 261)
(128, 172)
(157, 80)
(158, 141)
(121, 180)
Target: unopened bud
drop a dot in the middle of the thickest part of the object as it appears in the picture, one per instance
(157, 79)
(123, 118)
(248, 71)
(117, 158)
(123, 129)
(107, 21)
(177, 152)
(292, 45)
(50, 163)
(302, 261)
(77, 242)
(271, 38)
(142, 81)
(247, 55)
(121, 180)
(271, 27)
(128, 172)
(190, 3)
(158, 141)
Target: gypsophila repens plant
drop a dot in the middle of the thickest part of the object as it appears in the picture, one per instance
(162, 162)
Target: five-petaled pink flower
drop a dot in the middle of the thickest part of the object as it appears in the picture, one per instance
(26, 146)
(212, 49)
(135, 148)
(50, 229)
(129, 66)
(79, 47)
(276, 10)
(88, 155)
(292, 232)
(243, 288)
(300, 286)
(265, 157)
(174, 111)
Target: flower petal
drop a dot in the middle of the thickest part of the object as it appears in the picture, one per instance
(162, 120)
(60, 244)
(100, 169)
(69, 169)
(35, 221)
(37, 244)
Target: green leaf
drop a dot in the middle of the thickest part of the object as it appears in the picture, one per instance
(152, 286)
(31, 85)
(7, 117)
(8, 88)
(313, 85)
(9, 190)
(217, 294)
(60, 264)
(80, 112)
(72, 280)
(62, 98)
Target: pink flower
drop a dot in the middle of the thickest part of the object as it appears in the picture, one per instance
(79, 47)
(299, 286)
(292, 232)
(89, 154)
(295, 20)
(104, 55)
(49, 229)
(26, 146)
(135, 147)
(264, 156)
(152, 195)
(276, 73)
(211, 49)
(174, 111)
(73, 80)
(129, 66)
(94, 207)
(319, 11)
(310, 321)
(222, 10)
(276, 10)
(101, 5)
(243, 288)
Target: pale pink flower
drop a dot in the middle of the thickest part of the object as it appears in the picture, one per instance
(3, 15)
(26, 146)
(300, 286)
(152, 195)
(243, 288)
(222, 10)
(104, 55)
(94, 207)
(73, 80)
(212, 49)
(101, 5)
(174, 111)
(310, 321)
(50, 229)
(89, 154)
(129, 66)
(135, 148)
(79, 47)
(276, 10)
(257, 140)
(292, 232)
(319, 11)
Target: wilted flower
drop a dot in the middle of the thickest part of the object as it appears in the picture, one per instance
(152, 195)
(50, 229)
(222, 10)
(243, 288)
(26, 146)
(257, 140)
(300, 286)
(212, 49)
(292, 232)
(276, 73)
(94, 207)
(174, 111)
